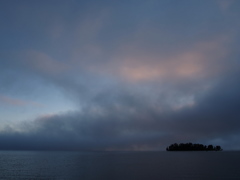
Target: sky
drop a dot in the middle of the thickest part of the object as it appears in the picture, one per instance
(110, 75)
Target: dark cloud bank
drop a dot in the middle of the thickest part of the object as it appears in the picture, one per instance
(121, 120)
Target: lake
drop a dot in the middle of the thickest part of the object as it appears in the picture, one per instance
(119, 165)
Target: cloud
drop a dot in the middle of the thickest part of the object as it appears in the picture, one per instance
(42, 62)
(225, 4)
(17, 102)
(140, 77)
(133, 61)
(139, 101)
(11, 101)
(124, 121)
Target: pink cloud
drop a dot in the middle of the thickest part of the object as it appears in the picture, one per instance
(133, 64)
(199, 61)
(17, 102)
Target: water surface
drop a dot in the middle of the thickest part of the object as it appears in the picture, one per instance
(119, 165)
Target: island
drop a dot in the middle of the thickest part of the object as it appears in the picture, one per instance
(192, 147)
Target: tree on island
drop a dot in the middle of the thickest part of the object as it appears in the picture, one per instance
(192, 147)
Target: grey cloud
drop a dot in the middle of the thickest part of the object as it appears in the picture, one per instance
(118, 123)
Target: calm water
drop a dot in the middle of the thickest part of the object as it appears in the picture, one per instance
(119, 165)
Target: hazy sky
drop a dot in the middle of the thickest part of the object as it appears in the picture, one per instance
(119, 75)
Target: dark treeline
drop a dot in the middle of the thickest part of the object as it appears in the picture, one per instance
(192, 147)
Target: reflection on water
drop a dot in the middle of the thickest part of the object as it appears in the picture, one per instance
(119, 165)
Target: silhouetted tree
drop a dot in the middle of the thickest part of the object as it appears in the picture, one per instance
(210, 147)
(218, 148)
(192, 147)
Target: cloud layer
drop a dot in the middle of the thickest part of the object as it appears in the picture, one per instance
(140, 75)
